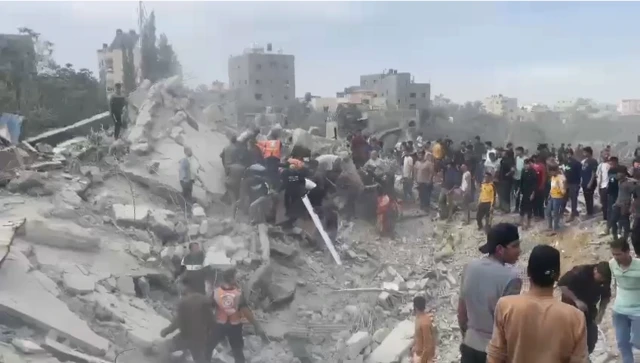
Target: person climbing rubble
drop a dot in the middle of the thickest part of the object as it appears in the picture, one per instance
(191, 268)
(188, 173)
(231, 309)
(293, 185)
(117, 104)
(195, 321)
(231, 154)
(271, 153)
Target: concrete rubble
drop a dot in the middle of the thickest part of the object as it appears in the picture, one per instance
(101, 232)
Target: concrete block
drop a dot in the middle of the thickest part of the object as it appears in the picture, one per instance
(62, 235)
(264, 241)
(78, 284)
(125, 285)
(129, 215)
(68, 354)
(46, 283)
(395, 345)
(380, 335)
(27, 346)
(217, 258)
(23, 297)
(193, 230)
(384, 300)
(357, 343)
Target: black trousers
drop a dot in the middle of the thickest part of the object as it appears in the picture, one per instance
(470, 355)
(424, 193)
(483, 212)
(635, 236)
(117, 124)
(588, 199)
(526, 205)
(233, 333)
(604, 201)
(619, 220)
(538, 204)
(504, 195)
(592, 335)
(187, 194)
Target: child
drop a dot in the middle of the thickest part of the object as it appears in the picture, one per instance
(485, 201)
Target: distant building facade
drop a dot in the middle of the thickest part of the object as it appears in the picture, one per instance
(111, 60)
(399, 89)
(503, 106)
(262, 78)
(629, 107)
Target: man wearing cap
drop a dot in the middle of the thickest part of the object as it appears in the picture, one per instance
(535, 327)
(484, 281)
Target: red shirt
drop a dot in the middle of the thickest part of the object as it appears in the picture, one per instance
(541, 174)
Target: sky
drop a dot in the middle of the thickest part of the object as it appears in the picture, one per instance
(535, 51)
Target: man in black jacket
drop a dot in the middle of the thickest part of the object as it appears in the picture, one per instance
(117, 102)
(528, 187)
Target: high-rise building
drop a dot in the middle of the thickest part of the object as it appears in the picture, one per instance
(504, 106)
(263, 78)
(399, 89)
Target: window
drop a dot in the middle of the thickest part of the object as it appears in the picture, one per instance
(232, 84)
(286, 82)
(258, 96)
(273, 64)
(365, 101)
(285, 66)
(398, 101)
(258, 66)
(375, 81)
(286, 97)
(109, 63)
(412, 95)
(258, 81)
(424, 95)
(324, 108)
(245, 82)
(412, 106)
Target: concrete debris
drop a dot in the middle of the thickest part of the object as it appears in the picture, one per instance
(60, 235)
(131, 215)
(264, 241)
(395, 345)
(357, 344)
(23, 297)
(281, 293)
(126, 285)
(77, 284)
(217, 259)
(29, 182)
(65, 353)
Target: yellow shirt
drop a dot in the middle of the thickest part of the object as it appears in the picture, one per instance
(557, 186)
(487, 193)
(437, 151)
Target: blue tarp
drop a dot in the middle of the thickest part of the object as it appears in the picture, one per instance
(14, 125)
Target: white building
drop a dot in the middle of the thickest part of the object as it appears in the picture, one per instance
(111, 60)
(629, 107)
(503, 106)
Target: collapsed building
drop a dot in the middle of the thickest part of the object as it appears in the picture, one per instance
(93, 231)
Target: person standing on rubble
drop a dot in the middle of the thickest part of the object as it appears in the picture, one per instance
(293, 185)
(117, 103)
(195, 320)
(424, 171)
(191, 268)
(535, 327)
(584, 287)
(622, 208)
(188, 173)
(231, 154)
(231, 308)
(527, 188)
(424, 350)
(271, 154)
(588, 179)
(407, 174)
(483, 282)
(573, 174)
(556, 198)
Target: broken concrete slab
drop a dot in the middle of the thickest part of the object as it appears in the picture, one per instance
(357, 343)
(141, 322)
(27, 346)
(283, 250)
(161, 224)
(64, 353)
(23, 297)
(8, 354)
(77, 283)
(142, 250)
(281, 292)
(131, 215)
(46, 283)
(263, 234)
(8, 230)
(395, 345)
(217, 258)
(126, 285)
(62, 235)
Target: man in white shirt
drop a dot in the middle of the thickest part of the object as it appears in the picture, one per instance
(467, 192)
(602, 180)
(407, 175)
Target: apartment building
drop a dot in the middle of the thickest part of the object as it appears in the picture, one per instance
(111, 58)
(629, 107)
(262, 78)
(399, 89)
(503, 106)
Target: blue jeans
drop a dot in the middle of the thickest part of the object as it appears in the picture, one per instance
(627, 335)
(554, 212)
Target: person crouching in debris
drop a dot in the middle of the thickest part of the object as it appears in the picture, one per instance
(195, 320)
(293, 185)
(188, 173)
(424, 350)
(117, 103)
(231, 309)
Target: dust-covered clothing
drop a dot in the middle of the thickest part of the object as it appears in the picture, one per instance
(424, 347)
(195, 319)
(534, 328)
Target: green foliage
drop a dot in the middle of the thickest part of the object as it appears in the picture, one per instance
(159, 60)
(48, 95)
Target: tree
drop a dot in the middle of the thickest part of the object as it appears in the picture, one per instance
(48, 95)
(159, 60)
(149, 52)
(168, 64)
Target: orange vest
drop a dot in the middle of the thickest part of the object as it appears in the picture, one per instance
(227, 302)
(270, 148)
